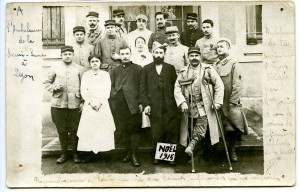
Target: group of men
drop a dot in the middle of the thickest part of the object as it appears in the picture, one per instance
(191, 73)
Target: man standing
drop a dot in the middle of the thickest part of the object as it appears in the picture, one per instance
(109, 47)
(176, 53)
(192, 95)
(119, 17)
(208, 43)
(82, 49)
(64, 84)
(230, 73)
(125, 94)
(159, 36)
(95, 33)
(157, 95)
(141, 31)
(193, 33)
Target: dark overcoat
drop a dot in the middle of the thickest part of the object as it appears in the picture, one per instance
(153, 94)
(129, 82)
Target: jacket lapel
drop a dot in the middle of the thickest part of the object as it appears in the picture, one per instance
(154, 74)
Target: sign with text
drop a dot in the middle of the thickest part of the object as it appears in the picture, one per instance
(165, 151)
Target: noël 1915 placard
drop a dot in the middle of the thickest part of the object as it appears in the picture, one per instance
(165, 151)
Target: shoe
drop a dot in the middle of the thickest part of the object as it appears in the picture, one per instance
(155, 162)
(86, 159)
(172, 163)
(62, 159)
(135, 161)
(127, 158)
(76, 158)
(233, 155)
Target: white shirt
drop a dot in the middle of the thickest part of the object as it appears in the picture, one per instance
(158, 69)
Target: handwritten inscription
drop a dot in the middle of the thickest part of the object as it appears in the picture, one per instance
(22, 50)
(279, 97)
(21, 28)
(22, 75)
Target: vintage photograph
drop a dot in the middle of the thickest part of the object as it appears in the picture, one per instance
(150, 94)
(152, 74)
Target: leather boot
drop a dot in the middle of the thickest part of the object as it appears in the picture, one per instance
(127, 158)
(233, 155)
(62, 159)
(76, 158)
(190, 148)
(135, 161)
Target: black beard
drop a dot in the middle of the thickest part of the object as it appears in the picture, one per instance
(126, 63)
(158, 60)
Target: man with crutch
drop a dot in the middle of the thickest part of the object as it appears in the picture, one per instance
(192, 95)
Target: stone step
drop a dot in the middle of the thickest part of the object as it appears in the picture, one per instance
(248, 142)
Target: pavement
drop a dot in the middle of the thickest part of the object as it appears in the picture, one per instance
(250, 162)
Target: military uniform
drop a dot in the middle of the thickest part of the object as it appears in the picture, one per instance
(208, 48)
(196, 95)
(105, 47)
(189, 37)
(177, 56)
(94, 36)
(65, 103)
(121, 32)
(81, 54)
(229, 71)
(158, 36)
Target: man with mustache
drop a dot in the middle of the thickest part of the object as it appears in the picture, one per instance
(157, 95)
(125, 86)
(109, 46)
(64, 83)
(193, 33)
(119, 17)
(95, 33)
(193, 97)
(159, 36)
(176, 53)
(82, 49)
(208, 43)
(229, 70)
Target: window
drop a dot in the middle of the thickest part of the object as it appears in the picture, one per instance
(177, 15)
(53, 27)
(130, 14)
(254, 24)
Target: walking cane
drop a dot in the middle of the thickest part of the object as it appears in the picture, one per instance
(219, 124)
(185, 83)
(192, 131)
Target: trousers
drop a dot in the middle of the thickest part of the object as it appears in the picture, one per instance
(66, 122)
(164, 129)
(129, 124)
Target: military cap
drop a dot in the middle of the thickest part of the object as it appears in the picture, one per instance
(194, 50)
(78, 28)
(66, 48)
(192, 16)
(226, 40)
(172, 29)
(93, 14)
(141, 16)
(118, 12)
(109, 22)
